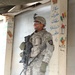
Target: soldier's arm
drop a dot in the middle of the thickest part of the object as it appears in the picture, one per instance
(49, 48)
(49, 52)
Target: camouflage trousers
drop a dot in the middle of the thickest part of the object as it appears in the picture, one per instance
(34, 68)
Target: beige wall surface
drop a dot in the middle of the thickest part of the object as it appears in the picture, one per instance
(9, 44)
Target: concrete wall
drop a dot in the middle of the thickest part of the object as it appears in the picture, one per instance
(71, 39)
(9, 44)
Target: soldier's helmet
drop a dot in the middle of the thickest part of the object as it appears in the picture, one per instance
(40, 19)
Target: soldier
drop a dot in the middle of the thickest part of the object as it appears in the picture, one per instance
(42, 49)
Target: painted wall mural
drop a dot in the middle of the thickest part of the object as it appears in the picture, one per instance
(62, 42)
(10, 26)
(9, 33)
(54, 27)
(63, 16)
(63, 30)
(54, 1)
(58, 29)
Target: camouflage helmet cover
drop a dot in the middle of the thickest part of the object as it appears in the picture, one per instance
(40, 19)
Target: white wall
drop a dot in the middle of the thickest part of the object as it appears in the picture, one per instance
(24, 26)
(71, 39)
(3, 34)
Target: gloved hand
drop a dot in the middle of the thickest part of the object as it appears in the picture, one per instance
(22, 45)
(41, 73)
(43, 67)
(21, 54)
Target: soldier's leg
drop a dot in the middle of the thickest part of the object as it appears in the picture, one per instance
(35, 71)
(41, 73)
(28, 71)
